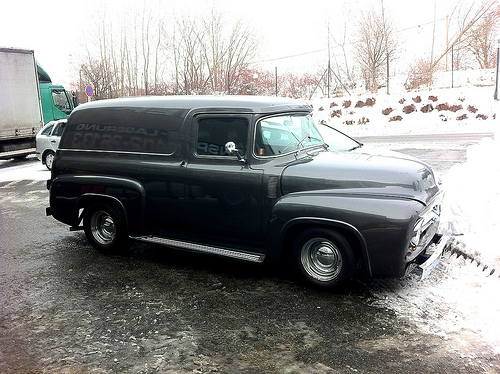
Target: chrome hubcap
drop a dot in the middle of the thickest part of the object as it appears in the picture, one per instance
(49, 160)
(321, 259)
(103, 227)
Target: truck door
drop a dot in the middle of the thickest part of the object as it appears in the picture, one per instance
(223, 194)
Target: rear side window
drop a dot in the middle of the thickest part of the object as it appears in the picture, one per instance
(215, 132)
(59, 129)
(47, 130)
(141, 130)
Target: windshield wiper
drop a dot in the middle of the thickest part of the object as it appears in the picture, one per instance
(355, 147)
(308, 137)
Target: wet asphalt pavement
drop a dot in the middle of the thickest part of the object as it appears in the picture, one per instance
(65, 308)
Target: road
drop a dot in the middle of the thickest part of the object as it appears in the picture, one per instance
(441, 151)
(66, 308)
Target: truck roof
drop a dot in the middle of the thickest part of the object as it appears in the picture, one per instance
(241, 104)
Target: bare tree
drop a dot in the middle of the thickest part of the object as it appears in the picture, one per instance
(207, 55)
(189, 59)
(375, 45)
(242, 48)
(481, 39)
(95, 73)
(343, 68)
(466, 23)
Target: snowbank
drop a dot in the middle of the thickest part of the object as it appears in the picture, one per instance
(27, 169)
(472, 201)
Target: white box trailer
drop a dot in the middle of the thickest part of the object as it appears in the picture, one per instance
(20, 105)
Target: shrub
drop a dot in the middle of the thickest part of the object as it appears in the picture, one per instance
(336, 113)
(444, 106)
(409, 109)
(427, 108)
(370, 101)
(395, 118)
(363, 121)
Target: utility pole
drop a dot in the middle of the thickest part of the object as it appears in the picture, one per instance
(329, 65)
(452, 67)
(387, 72)
(496, 80)
(276, 80)
(447, 45)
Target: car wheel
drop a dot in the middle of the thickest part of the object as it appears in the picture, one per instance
(105, 228)
(49, 159)
(323, 258)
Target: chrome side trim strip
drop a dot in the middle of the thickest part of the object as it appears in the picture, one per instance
(258, 258)
(114, 152)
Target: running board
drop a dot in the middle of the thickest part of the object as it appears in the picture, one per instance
(231, 253)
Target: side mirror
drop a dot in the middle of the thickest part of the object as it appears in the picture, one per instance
(232, 151)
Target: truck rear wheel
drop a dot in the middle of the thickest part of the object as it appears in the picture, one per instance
(105, 228)
(323, 258)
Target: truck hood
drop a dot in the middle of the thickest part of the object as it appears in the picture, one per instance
(361, 171)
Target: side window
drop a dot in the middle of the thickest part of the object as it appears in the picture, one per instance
(47, 130)
(134, 129)
(59, 129)
(214, 133)
(61, 100)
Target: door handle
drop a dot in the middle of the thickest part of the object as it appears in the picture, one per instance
(183, 164)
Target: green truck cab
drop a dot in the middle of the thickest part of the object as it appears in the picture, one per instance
(56, 102)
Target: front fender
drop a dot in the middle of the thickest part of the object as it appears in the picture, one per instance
(380, 225)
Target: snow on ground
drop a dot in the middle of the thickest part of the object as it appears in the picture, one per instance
(26, 169)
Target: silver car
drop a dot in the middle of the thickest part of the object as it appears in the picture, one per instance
(47, 141)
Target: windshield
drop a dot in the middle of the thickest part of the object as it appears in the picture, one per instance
(336, 140)
(285, 133)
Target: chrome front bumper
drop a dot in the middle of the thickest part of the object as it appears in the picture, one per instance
(425, 263)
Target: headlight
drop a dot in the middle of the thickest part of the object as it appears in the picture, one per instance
(415, 237)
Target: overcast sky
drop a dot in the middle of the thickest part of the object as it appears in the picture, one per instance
(54, 28)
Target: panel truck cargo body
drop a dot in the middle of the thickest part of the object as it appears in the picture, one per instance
(20, 107)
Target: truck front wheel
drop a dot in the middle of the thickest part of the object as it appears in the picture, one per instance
(323, 258)
(105, 228)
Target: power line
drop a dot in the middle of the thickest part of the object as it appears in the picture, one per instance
(291, 56)
(421, 25)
